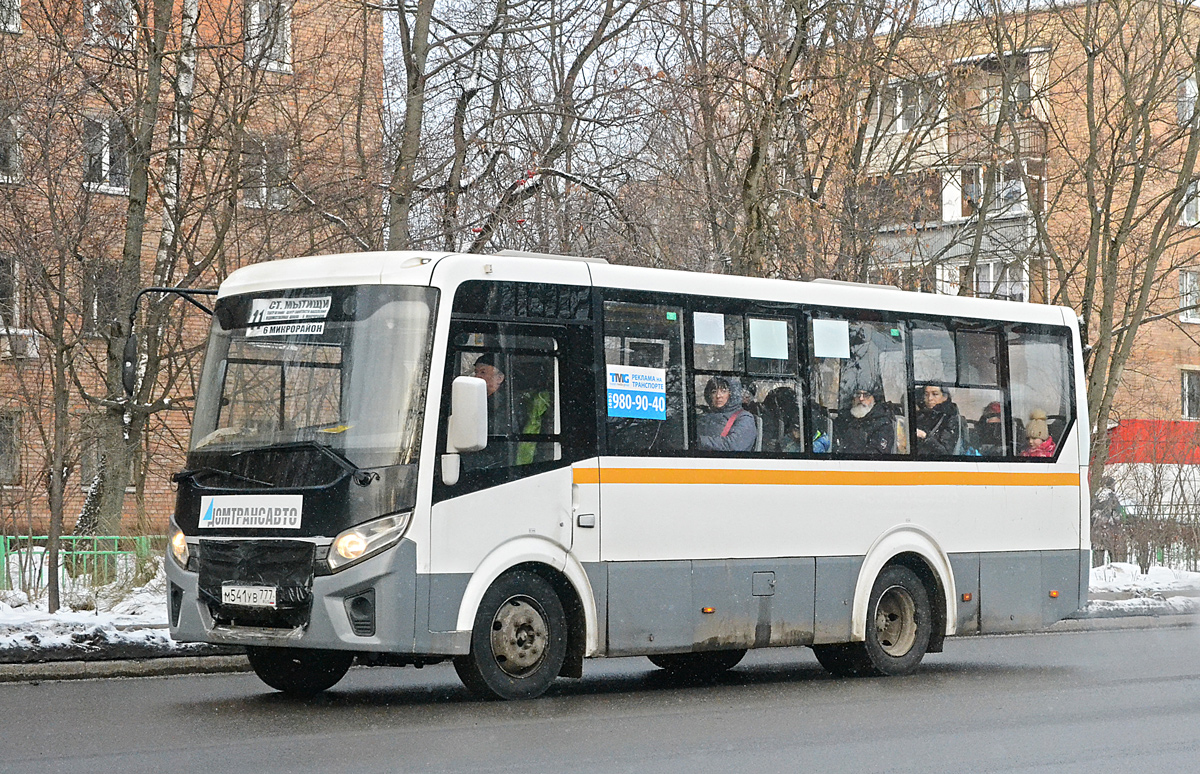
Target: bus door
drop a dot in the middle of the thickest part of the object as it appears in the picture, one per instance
(494, 500)
(541, 421)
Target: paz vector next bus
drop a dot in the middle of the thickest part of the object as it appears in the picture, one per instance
(518, 462)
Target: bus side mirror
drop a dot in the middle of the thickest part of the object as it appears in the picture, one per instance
(129, 358)
(467, 429)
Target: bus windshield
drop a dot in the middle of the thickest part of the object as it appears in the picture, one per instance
(343, 367)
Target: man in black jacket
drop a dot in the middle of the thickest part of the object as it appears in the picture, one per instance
(866, 428)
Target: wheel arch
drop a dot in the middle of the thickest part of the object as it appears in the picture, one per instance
(562, 570)
(914, 548)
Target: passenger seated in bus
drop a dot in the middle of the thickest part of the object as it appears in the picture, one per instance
(781, 422)
(726, 426)
(1037, 436)
(989, 431)
(937, 422)
(865, 427)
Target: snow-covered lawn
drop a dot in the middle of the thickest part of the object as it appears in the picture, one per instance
(132, 621)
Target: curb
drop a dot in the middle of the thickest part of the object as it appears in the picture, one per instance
(149, 667)
(1124, 622)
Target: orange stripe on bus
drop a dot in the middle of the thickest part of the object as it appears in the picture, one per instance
(818, 477)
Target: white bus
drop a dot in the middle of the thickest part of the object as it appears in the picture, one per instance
(518, 462)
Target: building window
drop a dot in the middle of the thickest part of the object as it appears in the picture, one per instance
(1189, 294)
(10, 448)
(1191, 206)
(265, 172)
(110, 23)
(269, 34)
(106, 147)
(10, 144)
(992, 99)
(100, 291)
(1191, 394)
(1186, 96)
(902, 105)
(994, 279)
(10, 16)
(9, 310)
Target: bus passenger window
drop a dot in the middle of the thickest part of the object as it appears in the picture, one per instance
(859, 377)
(1040, 383)
(643, 378)
(960, 406)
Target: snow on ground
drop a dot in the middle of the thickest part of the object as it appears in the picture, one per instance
(118, 619)
(131, 621)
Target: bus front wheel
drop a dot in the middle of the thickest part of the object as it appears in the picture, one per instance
(299, 672)
(519, 641)
(899, 622)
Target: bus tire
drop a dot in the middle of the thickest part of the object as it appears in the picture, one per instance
(519, 641)
(299, 672)
(842, 659)
(899, 622)
(709, 663)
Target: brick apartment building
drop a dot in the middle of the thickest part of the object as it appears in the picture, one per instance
(281, 158)
(999, 184)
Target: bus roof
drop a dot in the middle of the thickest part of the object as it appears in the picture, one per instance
(418, 268)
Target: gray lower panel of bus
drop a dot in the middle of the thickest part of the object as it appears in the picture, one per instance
(680, 606)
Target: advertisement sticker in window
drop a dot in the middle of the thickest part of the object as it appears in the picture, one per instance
(640, 393)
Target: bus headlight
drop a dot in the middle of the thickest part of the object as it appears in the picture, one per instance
(367, 539)
(178, 545)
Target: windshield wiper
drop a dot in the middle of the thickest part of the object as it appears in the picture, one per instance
(193, 472)
(361, 476)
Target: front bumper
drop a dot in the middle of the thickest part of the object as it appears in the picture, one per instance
(391, 576)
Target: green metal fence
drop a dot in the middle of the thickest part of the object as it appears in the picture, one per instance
(77, 554)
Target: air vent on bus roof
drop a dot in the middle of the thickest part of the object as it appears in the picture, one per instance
(551, 256)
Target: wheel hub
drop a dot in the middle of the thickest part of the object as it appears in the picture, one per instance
(896, 621)
(519, 636)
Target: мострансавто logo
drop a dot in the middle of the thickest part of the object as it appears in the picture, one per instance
(251, 511)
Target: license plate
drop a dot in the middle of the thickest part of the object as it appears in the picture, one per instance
(248, 596)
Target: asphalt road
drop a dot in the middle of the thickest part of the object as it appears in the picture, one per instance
(1126, 700)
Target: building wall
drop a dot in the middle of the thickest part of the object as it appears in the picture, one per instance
(319, 112)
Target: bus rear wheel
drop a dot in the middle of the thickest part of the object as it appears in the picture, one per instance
(698, 665)
(519, 641)
(899, 622)
(299, 672)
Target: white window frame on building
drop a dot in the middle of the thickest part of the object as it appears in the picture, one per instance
(1189, 401)
(995, 278)
(265, 172)
(11, 155)
(106, 163)
(1190, 216)
(110, 23)
(963, 189)
(269, 34)
(1186, 97)
(902, 105)
(10, 16)
(1189, 293)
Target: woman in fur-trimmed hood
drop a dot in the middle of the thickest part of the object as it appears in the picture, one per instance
(726, 426)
